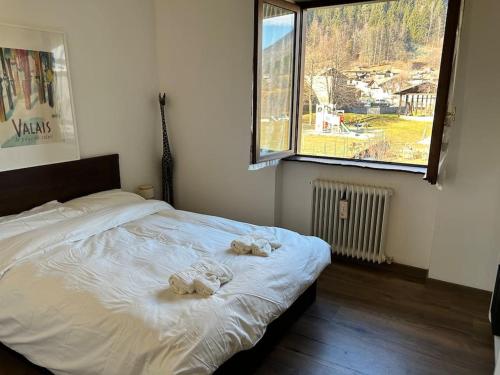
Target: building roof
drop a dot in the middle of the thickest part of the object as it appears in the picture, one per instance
(423, 88)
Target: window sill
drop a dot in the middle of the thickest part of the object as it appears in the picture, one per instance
(405, 168)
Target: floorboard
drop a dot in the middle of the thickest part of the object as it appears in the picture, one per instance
(372, 321)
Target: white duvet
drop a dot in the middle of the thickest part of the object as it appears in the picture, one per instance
(90, 295)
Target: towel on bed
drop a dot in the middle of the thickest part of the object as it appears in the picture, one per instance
(273, 241)
(210, 267)
(183, 282)
(204, 277)
(260, 244)
(206, 285)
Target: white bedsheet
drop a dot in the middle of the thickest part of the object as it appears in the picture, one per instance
(91, 295)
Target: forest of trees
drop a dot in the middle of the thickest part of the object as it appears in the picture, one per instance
(375, 33)
(397, 33)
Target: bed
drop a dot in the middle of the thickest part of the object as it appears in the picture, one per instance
(88, 293)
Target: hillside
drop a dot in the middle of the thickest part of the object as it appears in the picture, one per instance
(373, 34)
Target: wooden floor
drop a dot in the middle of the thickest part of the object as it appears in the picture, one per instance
(368, 321)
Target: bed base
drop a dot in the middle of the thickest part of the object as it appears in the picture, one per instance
(246, 362)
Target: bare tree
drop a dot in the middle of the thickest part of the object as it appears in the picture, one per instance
(336, 59)
(312, 62)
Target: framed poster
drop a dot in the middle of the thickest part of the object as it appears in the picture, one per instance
(37, 122)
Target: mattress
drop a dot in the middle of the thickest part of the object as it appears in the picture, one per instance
(90, 295)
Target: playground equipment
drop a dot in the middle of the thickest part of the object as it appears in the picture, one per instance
(329, 119)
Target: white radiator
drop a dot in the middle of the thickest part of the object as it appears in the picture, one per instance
(352, 218)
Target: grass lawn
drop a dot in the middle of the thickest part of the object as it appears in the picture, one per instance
(383, 137)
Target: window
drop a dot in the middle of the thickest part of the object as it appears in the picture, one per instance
(365, 82)
(276, 79)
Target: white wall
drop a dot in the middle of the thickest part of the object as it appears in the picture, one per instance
(111, 47)
(465, 246)
(205, 53)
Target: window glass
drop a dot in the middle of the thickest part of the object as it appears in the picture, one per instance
(370, 80)
(277, 79)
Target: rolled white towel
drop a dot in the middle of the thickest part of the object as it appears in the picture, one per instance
(273, 241)
(204, 277)
(262, 248)
(240, 250)
(183, 282)
(243, 244)
(256, 243)
(210, 267)
(206, 285)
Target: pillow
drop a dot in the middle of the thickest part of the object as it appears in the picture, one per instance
(34, 211)
(104, 199)
(41, 216)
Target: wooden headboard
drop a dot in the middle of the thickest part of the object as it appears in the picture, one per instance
(24, 189)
